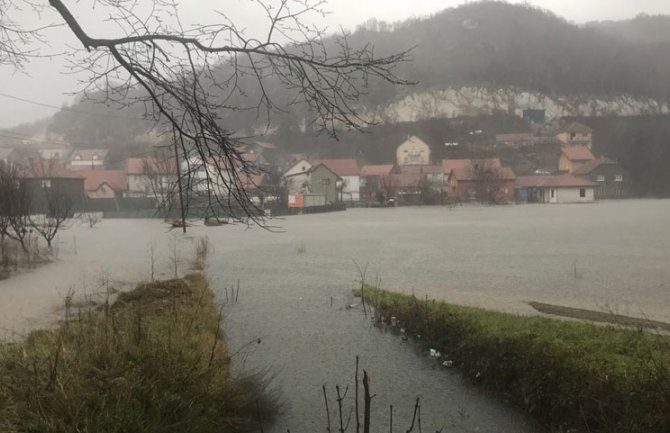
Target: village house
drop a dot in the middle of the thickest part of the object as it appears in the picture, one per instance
(373, 180)
(88, 158)
(319, 182)
(57, 152)
(347, 169)
(101, 184)
(564, 188)
(297, 176)
(612, 179)
(576, 134)
(414, 151)
(151, 177)
(484, 179)
(45, 180)
(573, 157)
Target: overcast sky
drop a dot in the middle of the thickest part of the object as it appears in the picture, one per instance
(47, 80)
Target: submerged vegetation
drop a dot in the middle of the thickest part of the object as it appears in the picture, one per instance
(571, 376)
(154, 361)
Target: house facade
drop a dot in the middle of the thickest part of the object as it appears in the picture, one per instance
(576, 134)
(47, 181)
(555, 189)
(572, 157)
(88, 158)
(612, 179)
(485, 180)
(414, 151)
(151, 177)
(347, 169)
(100, 184)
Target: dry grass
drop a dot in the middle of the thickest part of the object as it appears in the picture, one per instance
(152, 362)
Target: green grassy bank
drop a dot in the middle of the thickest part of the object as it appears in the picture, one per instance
(571, 376)
(152, 362)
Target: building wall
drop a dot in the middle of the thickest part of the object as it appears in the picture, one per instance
(567, 166)
(569, 195)
(609, 187)
(103, 191)
(351, 191)
(294, 184)
(468, 189)
(300, 167)
(575, 139)
(413, 152)
(39, 190)
(324, 181)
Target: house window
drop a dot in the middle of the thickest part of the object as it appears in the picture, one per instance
(618, 178)
(326, 181)
(46, 183)
(601, 178)
(552, 193)
(582, 192)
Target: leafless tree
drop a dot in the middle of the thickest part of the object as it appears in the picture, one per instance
(160, 178)
(14, 207)
(489, 177)
(52, 211)
(175, 70)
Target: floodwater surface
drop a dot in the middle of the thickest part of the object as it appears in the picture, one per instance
(295, 286)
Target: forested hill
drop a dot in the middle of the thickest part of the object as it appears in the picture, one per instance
(484, 45)
(646, 29)
(494, 44)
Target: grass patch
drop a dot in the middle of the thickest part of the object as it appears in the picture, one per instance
(571, 376)
(154, 361)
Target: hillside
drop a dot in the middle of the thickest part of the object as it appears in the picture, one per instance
(644, 29)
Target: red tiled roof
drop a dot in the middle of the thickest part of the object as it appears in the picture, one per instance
(48, 170)
(137, 165)
(589, 166)
(341, 167)
(576, 127)
(468, 173)
(562, 181)
(404, 180)
(577, 153)
(515, 137)
(116, 179)
(420, 169)
(462, 164)
(376, 170)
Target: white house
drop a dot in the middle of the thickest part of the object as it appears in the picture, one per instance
(88, 158)
(555, 189)
(150, 177)
(297, 177)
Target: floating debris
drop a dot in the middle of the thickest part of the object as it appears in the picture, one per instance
(435, 353)
(394, 321)
(448, 363)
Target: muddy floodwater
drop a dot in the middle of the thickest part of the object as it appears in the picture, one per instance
(295, 286)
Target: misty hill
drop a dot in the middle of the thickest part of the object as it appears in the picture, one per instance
(498, 45)
(645, 29)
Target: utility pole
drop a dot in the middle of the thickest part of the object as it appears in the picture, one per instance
(179, 184)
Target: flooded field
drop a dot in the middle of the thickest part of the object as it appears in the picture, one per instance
(295, 285)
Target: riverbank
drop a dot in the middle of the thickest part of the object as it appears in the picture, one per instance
(152, 361)
(571, 376)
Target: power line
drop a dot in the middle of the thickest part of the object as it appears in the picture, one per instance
(71, 110)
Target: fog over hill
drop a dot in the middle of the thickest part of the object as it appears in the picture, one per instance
(480, 58)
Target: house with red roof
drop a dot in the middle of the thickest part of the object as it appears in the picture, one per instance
(572, 157)
(483, 179)
(151, 177)
(100, 184)
(564, 188)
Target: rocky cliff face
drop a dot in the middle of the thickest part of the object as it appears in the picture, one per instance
(471, 101)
